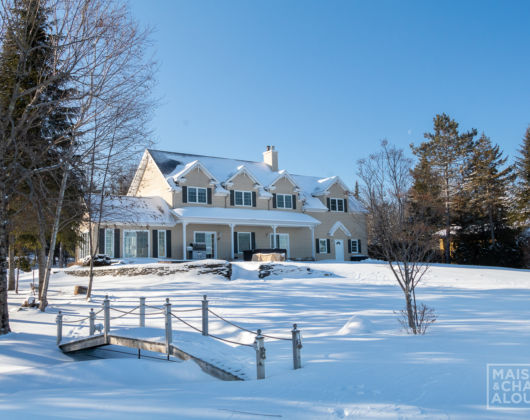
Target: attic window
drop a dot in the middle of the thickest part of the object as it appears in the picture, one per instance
(336, 204)
(197, 195)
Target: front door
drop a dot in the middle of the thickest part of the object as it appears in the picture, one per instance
(339, 250)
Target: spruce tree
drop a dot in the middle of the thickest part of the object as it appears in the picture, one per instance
(445, 154)
(522, 191)
(487, 185)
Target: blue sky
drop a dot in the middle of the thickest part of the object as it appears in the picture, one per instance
(325, 81)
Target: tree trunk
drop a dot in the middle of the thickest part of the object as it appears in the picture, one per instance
(410, 312)
(4, 312)
(492, 228)
(53, 239)
(11, 279)
(447, 239)
(61, 255)
(41, 262)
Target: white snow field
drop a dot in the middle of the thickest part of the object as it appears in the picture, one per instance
(356, 360)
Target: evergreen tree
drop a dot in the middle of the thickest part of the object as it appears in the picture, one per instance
(522, 191)
(445, 154)
(487, 184)
(356, 190)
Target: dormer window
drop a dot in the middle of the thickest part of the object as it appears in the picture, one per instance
(243, 198)
(284, 201)
(197, 195)
(337, 204)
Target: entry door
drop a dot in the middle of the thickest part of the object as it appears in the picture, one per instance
(339, 250)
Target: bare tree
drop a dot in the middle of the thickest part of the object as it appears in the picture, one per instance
(397, 234)
(96, 46)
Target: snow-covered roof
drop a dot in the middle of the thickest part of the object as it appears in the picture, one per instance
(244, 216)
(174, 165)
(141, 211)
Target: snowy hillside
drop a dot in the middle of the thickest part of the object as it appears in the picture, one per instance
(357, 362)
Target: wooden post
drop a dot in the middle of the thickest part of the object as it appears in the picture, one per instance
(297, 345)
(92, 318)
(106, 316)
(59, 321)
(142, 312)
(260, 355)
(204, 315)
(169, 337)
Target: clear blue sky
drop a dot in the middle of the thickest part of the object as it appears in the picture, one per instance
(325, 81)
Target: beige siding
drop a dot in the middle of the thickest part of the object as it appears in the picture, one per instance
(153, 183)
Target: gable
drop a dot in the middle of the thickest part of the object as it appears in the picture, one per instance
(336, 190)
(284, 186)
(242, 182)
(197, 177)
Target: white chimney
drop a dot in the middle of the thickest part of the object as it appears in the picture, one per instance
(270, 157)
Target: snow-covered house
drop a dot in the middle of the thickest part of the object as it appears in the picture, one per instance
(221, 207)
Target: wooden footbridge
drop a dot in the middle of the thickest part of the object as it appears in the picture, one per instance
(105, 338)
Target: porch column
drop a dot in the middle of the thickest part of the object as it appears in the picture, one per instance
(312, 229)
(184, 240)
(232, 241)
(274, 244)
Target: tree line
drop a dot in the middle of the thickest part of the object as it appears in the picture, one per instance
(75, 104)
(474, 204)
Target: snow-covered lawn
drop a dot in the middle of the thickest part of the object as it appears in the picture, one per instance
(357, 362)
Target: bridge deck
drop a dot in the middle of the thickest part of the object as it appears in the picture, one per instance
(136, 343)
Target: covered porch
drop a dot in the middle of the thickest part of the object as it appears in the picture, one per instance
(228, 232)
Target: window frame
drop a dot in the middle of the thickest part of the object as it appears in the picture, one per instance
(84, 247)
(325, 242)
(243, 193)
(287, 248)
(283, 196)
(136, 235)
(196, 190)
(336, 200)
(111, 254)
(164, 242)
(239, 250)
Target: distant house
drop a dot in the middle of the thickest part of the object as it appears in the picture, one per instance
(184, 206)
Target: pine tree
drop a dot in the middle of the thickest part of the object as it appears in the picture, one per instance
(522, 191)
(445, 154)
(487, 185)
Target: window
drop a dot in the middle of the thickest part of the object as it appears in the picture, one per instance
(284, 201)
(109, 242)
(84, 248)
(197, 195)
(282, 241)
(243, 198)
(208, 239)
(135, 244)
(336, 204)
(244, 242)
(355, 246)
(323, 246)
(162, 244)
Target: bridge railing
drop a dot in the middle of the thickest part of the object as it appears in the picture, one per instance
(166, 311)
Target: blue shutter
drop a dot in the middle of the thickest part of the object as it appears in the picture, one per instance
(328, 201)
(231, 197)
(184, 194)
(273, 201)
(328, 246)
(345, 205)
(209, 196)
(317, 243)
(253, 198)
(294, 201)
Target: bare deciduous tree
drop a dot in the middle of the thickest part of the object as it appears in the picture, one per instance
(397, 234)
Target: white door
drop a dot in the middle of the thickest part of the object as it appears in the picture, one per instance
(339, 250)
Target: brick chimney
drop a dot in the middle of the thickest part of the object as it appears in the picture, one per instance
(270, 157)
